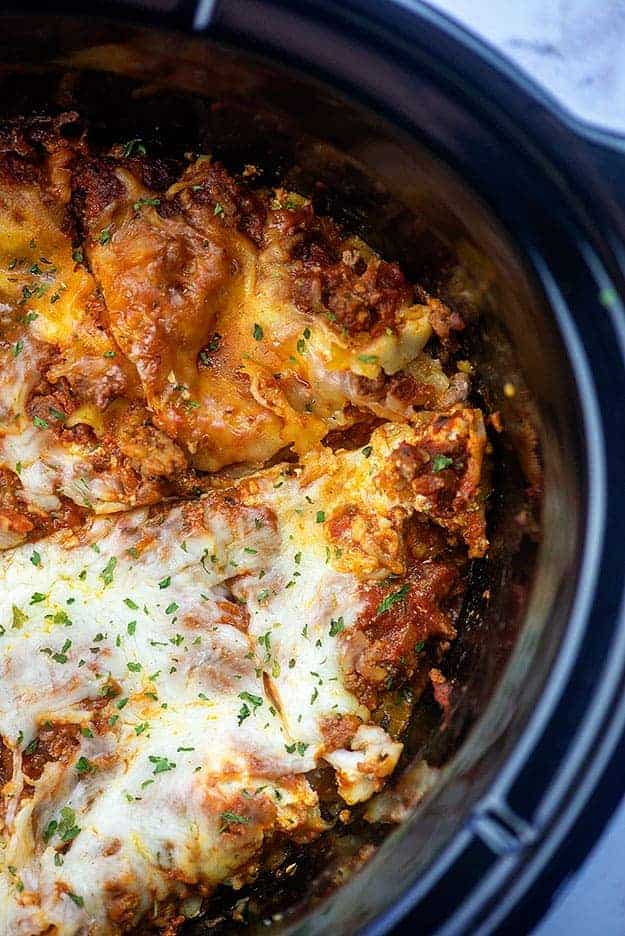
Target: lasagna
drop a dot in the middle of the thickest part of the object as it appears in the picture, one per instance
(240, 483)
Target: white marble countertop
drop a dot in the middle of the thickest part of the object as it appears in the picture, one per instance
(576, 48)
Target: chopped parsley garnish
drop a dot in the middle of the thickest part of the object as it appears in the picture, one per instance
(139, 729)
(134, 667)
(105, 235)
(218, 210)
(171, 608)
(131, 604)
(132, 626)
(134, 147)
(165, 583)
(32, 746)
(254, 700)
(50, 829)
(36, 598)
(107, 572)
(336, 626)
(257, 332)
(368, 358)
(151, 202)
(439, 462)
(56, 414)
(84, 766)
(320, 516)
(86, 731)
(40, 423)
(161, 764)
(78, 900)
(232, 818)
(390, 600)
(66, 826)
(19, 617)
(17, 347)
(367, 450)
(35, 558)
(77, 255)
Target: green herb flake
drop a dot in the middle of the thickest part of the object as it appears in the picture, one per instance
(320, 518)
(134, 148)
(165, 583)
(107, 572)
(161, 764)
(439, 462)
(105, 235)
(393, 599)
(50, 829)
(35, 558)
(40, 423)
(257, 332)
(336, 626)
(232, 818)
(19, 617)
(32, 746)
(149, 202)
(84, 766)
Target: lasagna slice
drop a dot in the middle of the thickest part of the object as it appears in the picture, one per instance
(254, 324)
(174, 678)
(75, 436)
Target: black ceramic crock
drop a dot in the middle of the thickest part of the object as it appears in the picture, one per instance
(543, 197)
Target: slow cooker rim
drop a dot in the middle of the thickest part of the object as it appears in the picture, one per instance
(387, 922)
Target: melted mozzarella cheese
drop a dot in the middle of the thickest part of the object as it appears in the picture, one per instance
(198, 649)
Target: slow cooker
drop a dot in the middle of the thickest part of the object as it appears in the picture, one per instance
(449, 159)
